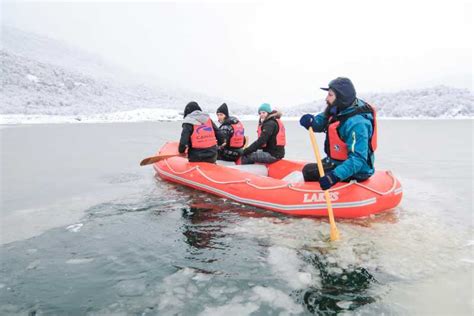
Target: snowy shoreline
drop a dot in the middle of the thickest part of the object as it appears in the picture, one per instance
(148, 115)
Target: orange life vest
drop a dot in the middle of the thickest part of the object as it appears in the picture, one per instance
(281, 135)
(337, 147)
(238, 139)
(203, 135)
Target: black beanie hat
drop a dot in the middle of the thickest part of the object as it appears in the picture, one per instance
(223, 109)
(191, 107)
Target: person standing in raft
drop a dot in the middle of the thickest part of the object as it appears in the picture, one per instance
(270, 144)
(198, 135)
(351, 136)
(232, 131)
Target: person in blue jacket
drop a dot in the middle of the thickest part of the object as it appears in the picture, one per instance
(351, 136)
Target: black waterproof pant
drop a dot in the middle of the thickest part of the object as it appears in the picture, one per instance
(229, 154)
(258, 156)
(203, 159)
(311, 171)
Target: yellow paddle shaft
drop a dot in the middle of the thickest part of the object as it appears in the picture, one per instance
(334, 232)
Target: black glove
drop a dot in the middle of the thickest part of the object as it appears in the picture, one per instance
(328, 180)
(307, 120)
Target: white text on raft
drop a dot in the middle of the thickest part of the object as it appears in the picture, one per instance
(319, 197)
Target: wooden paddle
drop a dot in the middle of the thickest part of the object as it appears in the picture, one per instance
(150, 160)
(153, 159)
(334, 232)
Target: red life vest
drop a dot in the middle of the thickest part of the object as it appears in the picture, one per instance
(337, 147)
(237, 140)
(280, 137)
(203, 135)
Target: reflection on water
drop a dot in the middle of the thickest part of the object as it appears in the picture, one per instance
(207, 215)
(199, 228)
(341, 289)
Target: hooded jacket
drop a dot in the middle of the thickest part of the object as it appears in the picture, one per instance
(268, 136)
(356, 132)
(195, 154)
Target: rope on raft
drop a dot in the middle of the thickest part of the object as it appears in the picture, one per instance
(287, 185)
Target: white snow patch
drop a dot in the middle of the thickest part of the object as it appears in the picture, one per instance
(290, 233)
(286, 264)
(174, 290)
(131, 288)
(75, 227)
(230, 309)
(277, 299)
(344, 304)
(79, 260)
(32, 78)
(201, 277)
(138, 115)
(216, 292)
(33, 265)
(470, 243)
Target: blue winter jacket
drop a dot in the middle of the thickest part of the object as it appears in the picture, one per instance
(355, 132)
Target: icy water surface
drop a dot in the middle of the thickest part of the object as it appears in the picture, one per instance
(85, 231)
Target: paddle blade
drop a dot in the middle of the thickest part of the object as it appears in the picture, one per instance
(150, 160)
(334, 234)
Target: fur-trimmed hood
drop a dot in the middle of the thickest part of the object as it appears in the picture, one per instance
(274, 115)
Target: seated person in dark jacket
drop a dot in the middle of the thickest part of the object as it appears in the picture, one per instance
(270, 145)
(232, 131)
(198, 135)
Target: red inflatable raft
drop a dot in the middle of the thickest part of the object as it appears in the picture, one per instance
(273, 186)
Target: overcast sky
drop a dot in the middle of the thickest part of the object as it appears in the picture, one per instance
(274, 51)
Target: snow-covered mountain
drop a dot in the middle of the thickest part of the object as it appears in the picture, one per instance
(49, 51)
(436, 102)
(32, 87)
(44, 80)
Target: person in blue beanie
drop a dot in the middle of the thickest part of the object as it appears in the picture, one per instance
(351, 136)
(270, 144)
